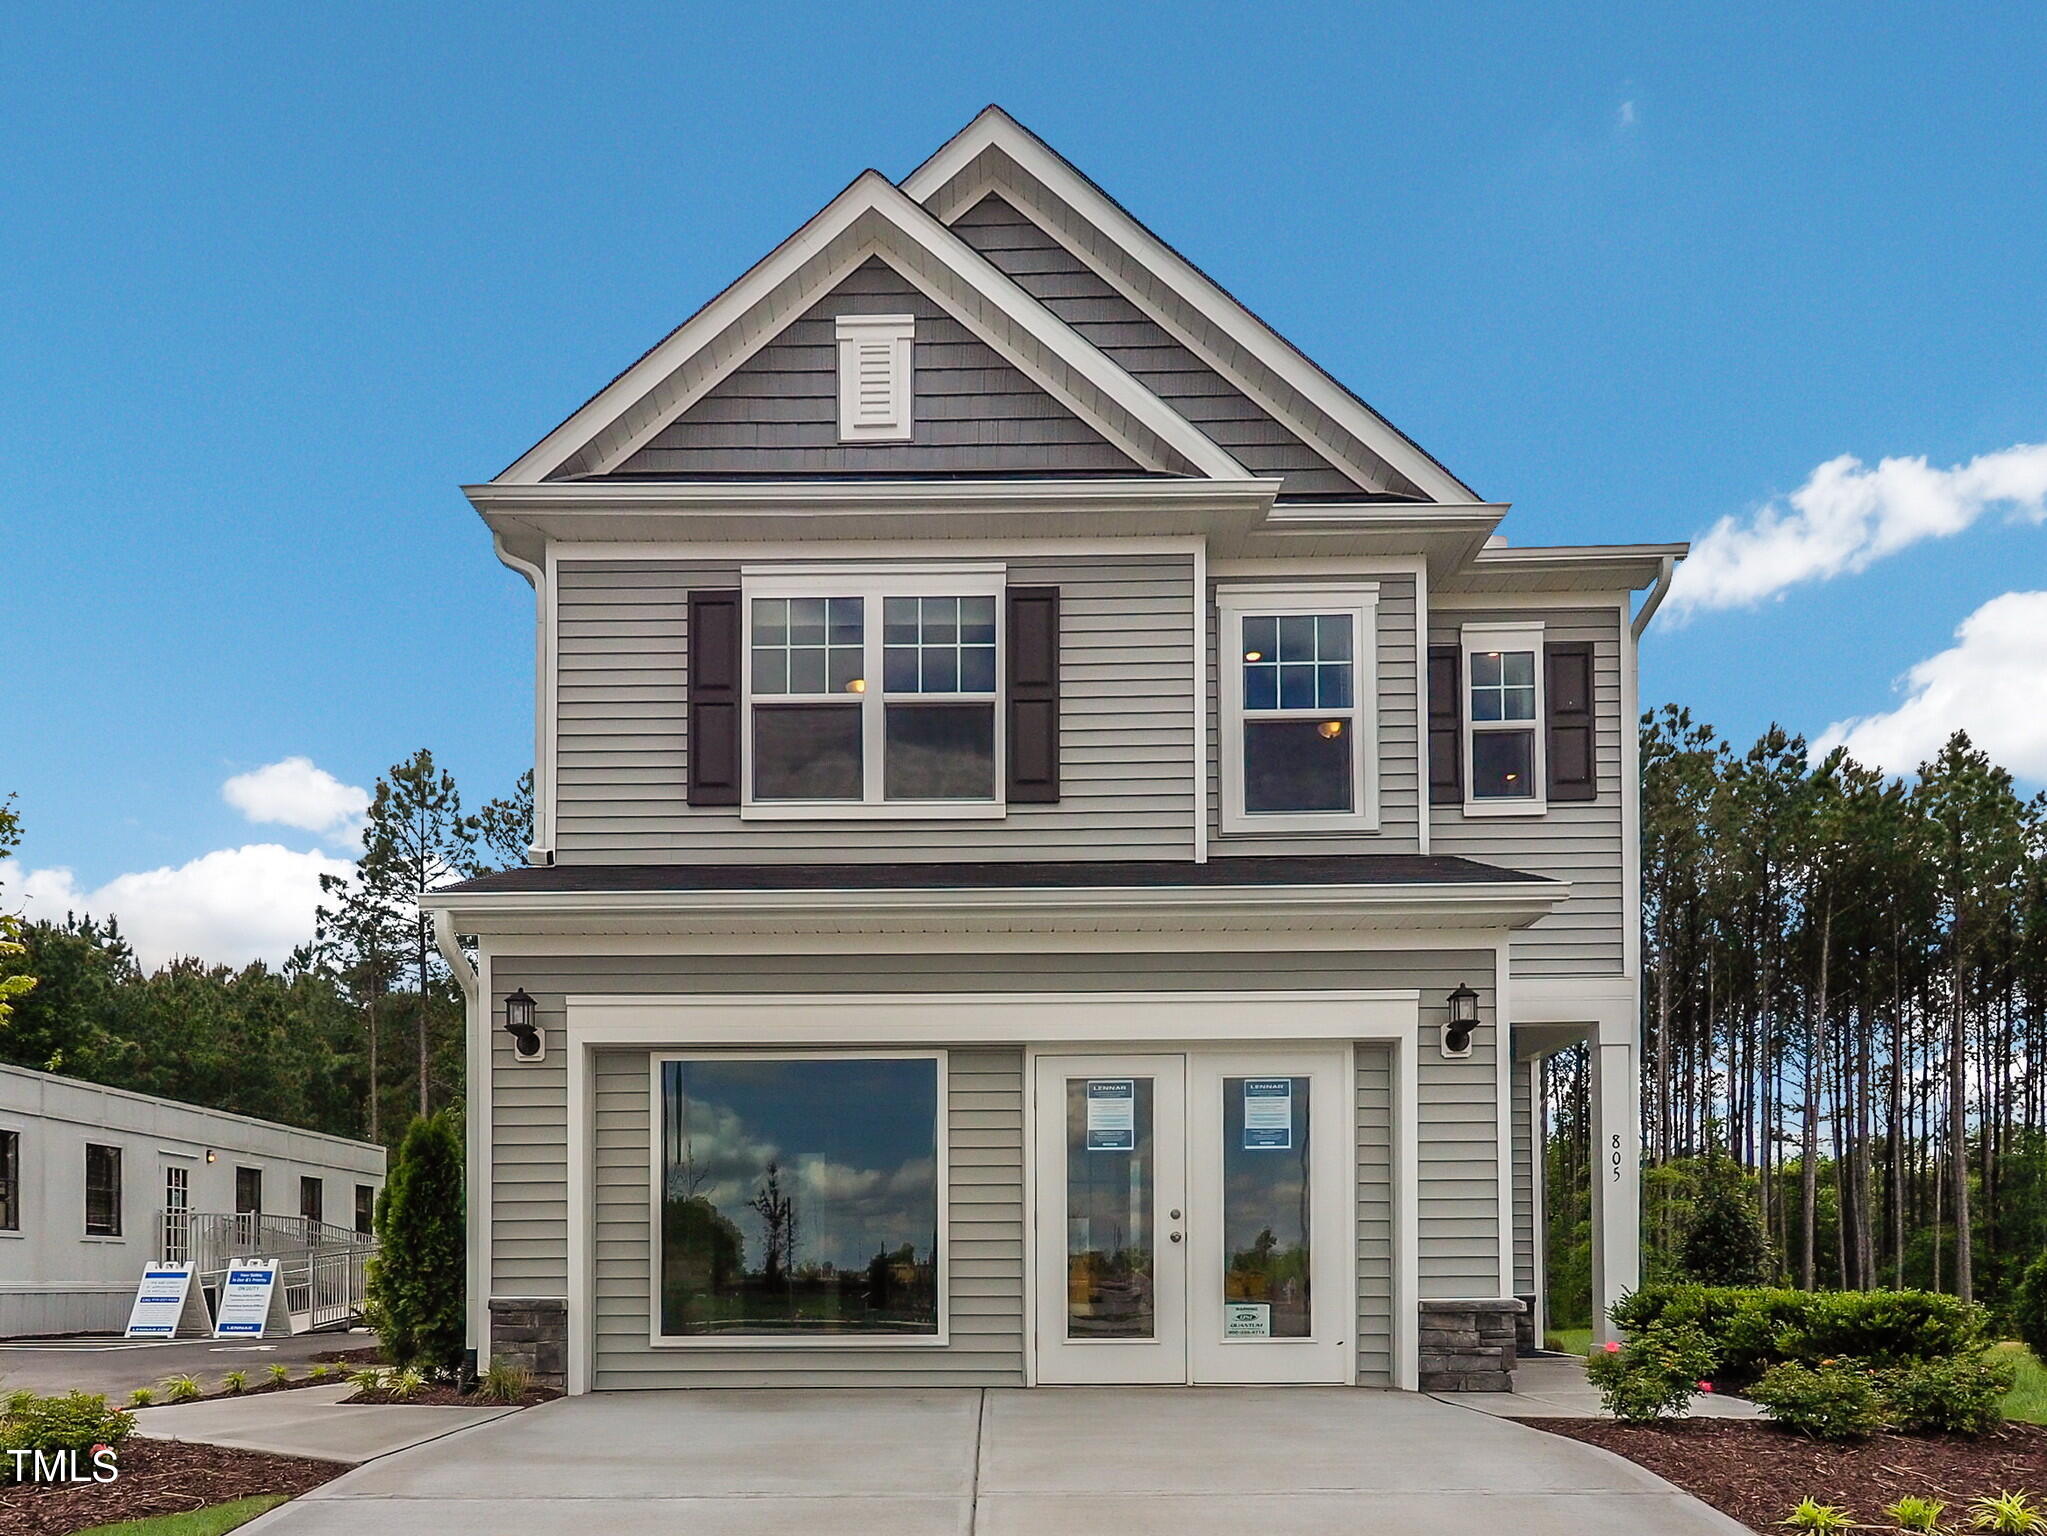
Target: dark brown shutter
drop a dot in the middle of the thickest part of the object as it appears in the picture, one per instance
(1568, 676)
(1033, 776)
(714, 698)
(1446, 726)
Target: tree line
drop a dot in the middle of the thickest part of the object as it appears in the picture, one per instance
(360, 1028)
(1844, 988)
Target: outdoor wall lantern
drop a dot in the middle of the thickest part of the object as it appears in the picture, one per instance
(1463, 1020)
(528, 1043)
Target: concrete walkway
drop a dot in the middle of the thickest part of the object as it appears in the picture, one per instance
(1166, 1462)
(1554, 1387)
(310, 1421)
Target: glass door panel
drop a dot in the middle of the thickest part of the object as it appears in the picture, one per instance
(1111, 1234)
(1267, 1221)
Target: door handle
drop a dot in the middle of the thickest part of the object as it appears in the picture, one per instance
(1174, 1236)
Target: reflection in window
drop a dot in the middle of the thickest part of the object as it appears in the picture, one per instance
(1111, 1165)
(1265, 1208)
(799, 1196)
(1503, 710)
(1300, 713)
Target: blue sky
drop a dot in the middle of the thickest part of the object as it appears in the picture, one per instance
(277, 280)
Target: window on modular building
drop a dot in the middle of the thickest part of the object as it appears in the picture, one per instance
(365, 1208)
(102, 1191)
(799, 1196)
(312, 1200)
(248, 1202)
(10, 1181)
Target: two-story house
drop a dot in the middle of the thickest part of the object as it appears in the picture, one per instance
(1060, 837)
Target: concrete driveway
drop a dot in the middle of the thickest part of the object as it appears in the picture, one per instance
(1175, 1462)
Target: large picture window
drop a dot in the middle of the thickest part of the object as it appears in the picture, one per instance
(799, 1197)
(1298, 745)
(873, 692)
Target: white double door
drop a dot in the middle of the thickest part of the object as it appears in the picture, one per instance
(1195, 1216)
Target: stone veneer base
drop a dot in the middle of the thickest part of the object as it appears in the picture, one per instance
(533, 1332)
(1468, 1345)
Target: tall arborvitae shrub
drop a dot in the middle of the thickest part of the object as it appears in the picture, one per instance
(417, 1288)
(1724, 1243)
(2029, 1309)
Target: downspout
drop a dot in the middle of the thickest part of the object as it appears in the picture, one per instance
(1657, 594)
(473, 1124)
(542, 849)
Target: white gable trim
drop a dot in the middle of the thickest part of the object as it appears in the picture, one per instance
(872, 217)
(996, 130)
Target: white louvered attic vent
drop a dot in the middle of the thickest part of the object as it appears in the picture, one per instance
(874, 378)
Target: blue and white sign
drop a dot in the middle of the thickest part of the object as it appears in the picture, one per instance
(1111, 1114)
(1268, 1114)
(166, 1306)
(251, 1301)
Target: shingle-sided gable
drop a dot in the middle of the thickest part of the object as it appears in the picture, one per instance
(776, 415)
(1067, 286)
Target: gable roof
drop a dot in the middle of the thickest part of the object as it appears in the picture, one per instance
(996, 152)
(870, 216)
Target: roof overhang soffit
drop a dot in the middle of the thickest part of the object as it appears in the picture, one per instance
(996, 153)
(872, 217)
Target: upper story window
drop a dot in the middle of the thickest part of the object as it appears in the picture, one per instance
(875, 393)
(1503, 714)
(1299, 744)
(873, 692)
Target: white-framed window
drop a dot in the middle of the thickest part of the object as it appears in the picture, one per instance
(875, 386)
(1299, 729)
(800, 1198)
(1503, 715)
(873, 691)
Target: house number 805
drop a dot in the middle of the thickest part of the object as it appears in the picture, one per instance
(1615, 1159)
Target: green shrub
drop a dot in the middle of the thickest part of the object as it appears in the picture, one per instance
(76, 1421)
(182, 1389)
(1724, 1242)
(319, 1372)
(141, 1397)
(504, 1382)
(369, 1379)
(1959, 1397)
(422, 1264)
(1912, 1513)
(1834, 1401)
(405, 1384)
(2029, 1308)
(235, 1383)
(1754, 1329)
(2006, 1514)
(1812, 1515)
(1654, 1374)
(280, 1375)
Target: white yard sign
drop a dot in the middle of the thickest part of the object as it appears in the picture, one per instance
(166, 1306)
(251, 1301)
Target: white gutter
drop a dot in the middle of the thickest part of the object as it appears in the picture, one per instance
(541, 849)
(1666, 569)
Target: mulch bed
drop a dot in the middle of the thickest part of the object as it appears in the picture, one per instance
(449, 1397)
(369, 1354)
(1756, 1472)
(158, 1477)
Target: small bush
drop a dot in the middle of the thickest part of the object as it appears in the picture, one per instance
(504, 1382)
(319, 1372)
(182, 1389)
(1811, 1515)
(405, 1384)
(1833, 1401)
(76, 1421)
(1959, 1397)
(369, 1379)
(1912, 1513)
(1724, 1242)
(279, 1375)
(2006, 1514)
(2029, 1308)
(1653, 1375)
(235, 1383)
(141, 1397)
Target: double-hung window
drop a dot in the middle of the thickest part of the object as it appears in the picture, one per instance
(102, 1191)
(873, 692)
(1503, 716)
(1299, 740)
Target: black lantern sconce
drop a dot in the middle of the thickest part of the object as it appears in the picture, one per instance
(1462, 1021)
(529, 1041)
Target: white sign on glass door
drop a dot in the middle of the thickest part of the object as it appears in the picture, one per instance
(1268, 1114)
(1247, 1320)
(1111, 1114)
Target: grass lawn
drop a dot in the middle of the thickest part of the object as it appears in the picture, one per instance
(1568, 1341)
(210, 1521)
(2028, 1397)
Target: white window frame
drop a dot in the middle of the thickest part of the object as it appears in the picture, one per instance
(873, 584)
(894, 422)
(1234, 604)
(656, 1339)
(1475, 639)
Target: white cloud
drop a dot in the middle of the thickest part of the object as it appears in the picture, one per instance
(1988, 684)
(294, 793)
(1847, 516)
(1625, 118)
(229, 907)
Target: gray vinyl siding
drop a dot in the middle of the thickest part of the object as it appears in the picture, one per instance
(1065, 284)
(1458, 1237)
(1127, 727)
(777, 414)
(1399, 751)
(1523, 1157)
(1375, 1215)
(984, 1345)
(1578, 842)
